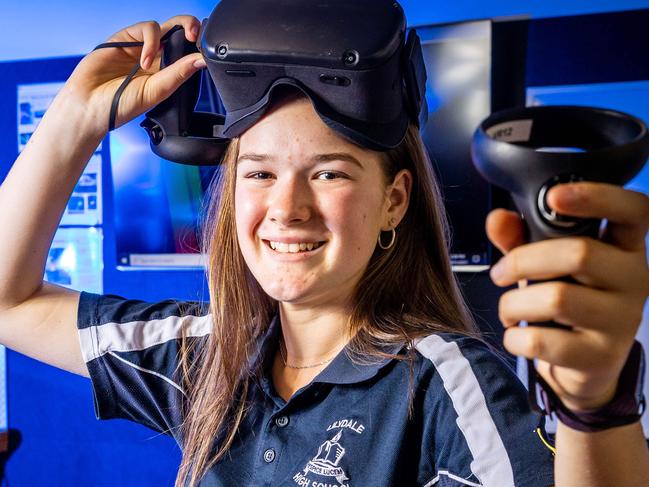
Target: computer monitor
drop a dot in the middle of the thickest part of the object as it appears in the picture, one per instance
(458, 92)
(157, 204)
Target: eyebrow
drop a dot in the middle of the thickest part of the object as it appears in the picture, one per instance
(318, 158)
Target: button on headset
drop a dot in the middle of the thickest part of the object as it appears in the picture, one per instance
(222, 51)
(335, 80)
(351, 57)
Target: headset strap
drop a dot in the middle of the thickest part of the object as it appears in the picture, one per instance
(415, 78)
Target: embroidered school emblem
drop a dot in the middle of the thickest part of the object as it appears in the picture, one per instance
(326, 460)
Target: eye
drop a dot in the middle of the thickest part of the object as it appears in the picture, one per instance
(329, 175)
(260, 175)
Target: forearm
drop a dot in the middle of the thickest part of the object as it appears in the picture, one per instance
(615, 457)
(36, 190)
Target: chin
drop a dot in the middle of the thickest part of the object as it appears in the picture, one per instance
(284, 293)
(284, 296)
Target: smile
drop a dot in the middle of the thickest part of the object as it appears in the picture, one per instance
(294, 248)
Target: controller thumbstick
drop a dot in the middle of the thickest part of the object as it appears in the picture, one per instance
(549, 215)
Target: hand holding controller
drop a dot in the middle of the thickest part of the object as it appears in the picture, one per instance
(528, 152)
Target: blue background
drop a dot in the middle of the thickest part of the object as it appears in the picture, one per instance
(62, 443)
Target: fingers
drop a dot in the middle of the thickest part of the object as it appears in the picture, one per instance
(573, 305)
(627, 211)
(160, 84)
(188, 22)
(588, 261)
(505, 229)
(150, 32)
(603, 308)
(191, 27)
(163, 83)
(578, 350)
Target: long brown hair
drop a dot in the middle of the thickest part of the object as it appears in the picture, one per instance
(406, 292)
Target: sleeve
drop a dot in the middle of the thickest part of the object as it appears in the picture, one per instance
(478, 427)
(131, 350)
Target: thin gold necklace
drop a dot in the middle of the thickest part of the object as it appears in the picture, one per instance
(281, 353)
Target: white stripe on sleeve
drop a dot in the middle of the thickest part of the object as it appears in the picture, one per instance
(491, 464)
(138, 335)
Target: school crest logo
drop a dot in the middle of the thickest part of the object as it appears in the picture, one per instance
(326, 462)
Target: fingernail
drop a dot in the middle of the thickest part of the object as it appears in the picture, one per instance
(146, 62)
(497, 271)
(194, 31)
(200, 63)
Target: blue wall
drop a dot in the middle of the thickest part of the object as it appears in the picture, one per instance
(45, 28)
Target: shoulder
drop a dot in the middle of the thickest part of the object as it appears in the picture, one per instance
(133, 349)
(459, 369)
(454, 348)
(475, 411)
(459, 357)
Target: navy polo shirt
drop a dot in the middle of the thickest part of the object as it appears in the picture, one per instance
(471, 425)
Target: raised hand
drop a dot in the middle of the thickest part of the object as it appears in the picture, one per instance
(99, 75)
(604, 306)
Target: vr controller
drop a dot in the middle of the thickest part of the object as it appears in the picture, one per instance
(527, 151)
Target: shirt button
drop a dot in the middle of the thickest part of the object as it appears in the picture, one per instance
(281, 421)
(269, 455)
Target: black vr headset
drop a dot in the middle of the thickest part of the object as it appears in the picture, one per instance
(363, 72)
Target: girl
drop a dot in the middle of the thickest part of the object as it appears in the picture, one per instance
(336, 349)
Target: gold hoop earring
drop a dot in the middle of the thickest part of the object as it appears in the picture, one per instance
(392, 239)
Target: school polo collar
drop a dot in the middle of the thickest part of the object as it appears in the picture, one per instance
(341, 370)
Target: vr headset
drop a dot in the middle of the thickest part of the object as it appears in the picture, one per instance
(363, 72)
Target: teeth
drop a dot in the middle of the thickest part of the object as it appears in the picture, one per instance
(293, 248)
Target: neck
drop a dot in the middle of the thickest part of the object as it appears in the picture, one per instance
(313, 335)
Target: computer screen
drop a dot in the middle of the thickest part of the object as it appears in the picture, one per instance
(458, 92)
(157, 204)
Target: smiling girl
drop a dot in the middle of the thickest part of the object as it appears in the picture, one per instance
(336, 348)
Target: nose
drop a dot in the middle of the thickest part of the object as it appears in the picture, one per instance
(291, 202)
